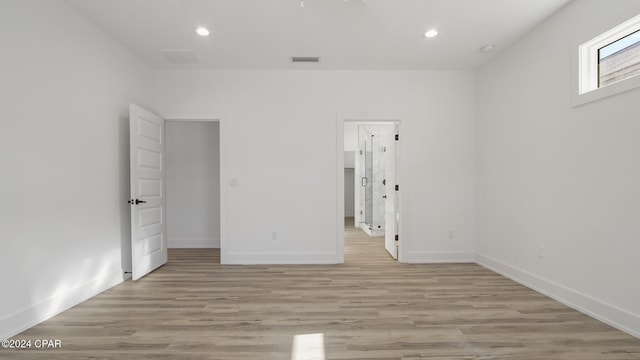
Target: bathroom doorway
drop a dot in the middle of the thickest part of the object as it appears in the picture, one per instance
(371, 150)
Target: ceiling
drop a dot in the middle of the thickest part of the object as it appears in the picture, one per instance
(351, 34)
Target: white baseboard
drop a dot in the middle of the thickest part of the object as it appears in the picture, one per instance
(193, 244)
(33, 315)
(609, 314)
(279, 258)
(438, 257)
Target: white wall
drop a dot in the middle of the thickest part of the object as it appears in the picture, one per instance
(193, 184)
(561, 178)
(351, 137)
(350, 148)
(64, 98)
(283, 153)
(349, 159)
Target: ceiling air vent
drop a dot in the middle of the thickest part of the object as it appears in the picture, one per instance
(305, 59)
(180, 56)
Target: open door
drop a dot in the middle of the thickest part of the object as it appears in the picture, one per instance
(148, 226)
(391, 192)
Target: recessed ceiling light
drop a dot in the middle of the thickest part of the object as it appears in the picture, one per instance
(202, 31)
(431, 33)
(487, 49)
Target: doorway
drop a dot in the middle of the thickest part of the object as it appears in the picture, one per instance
(200, 222)
(370, 155)
(192, 184)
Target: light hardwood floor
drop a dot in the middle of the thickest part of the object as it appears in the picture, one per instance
(371, 307)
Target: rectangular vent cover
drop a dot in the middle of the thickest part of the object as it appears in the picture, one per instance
(305, 59)
(180, 56)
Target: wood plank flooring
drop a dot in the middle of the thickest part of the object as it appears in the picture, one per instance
(368, 308)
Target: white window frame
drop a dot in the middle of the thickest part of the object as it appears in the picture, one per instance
(587, 60)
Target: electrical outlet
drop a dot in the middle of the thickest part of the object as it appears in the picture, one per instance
(452, 234)
(541, 252)
(274, 235)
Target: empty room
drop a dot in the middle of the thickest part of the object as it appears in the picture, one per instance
(320, 179)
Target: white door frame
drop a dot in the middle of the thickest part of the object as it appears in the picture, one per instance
(222, 121)
(341, 119)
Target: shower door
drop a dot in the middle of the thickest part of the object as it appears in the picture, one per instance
(368, 161)
(366, 189)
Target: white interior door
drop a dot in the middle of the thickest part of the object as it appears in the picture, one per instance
(148, 226)
(391, 202)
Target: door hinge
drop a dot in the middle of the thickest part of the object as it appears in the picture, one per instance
(397, 137)
(397, 237)
(384, 149)
(397, 187)
(360, 152)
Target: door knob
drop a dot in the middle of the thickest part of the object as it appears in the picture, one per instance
(138, 201)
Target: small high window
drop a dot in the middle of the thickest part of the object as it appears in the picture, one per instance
(611, 57)
(619, 60)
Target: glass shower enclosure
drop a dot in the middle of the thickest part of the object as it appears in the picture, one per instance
(372, 191)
